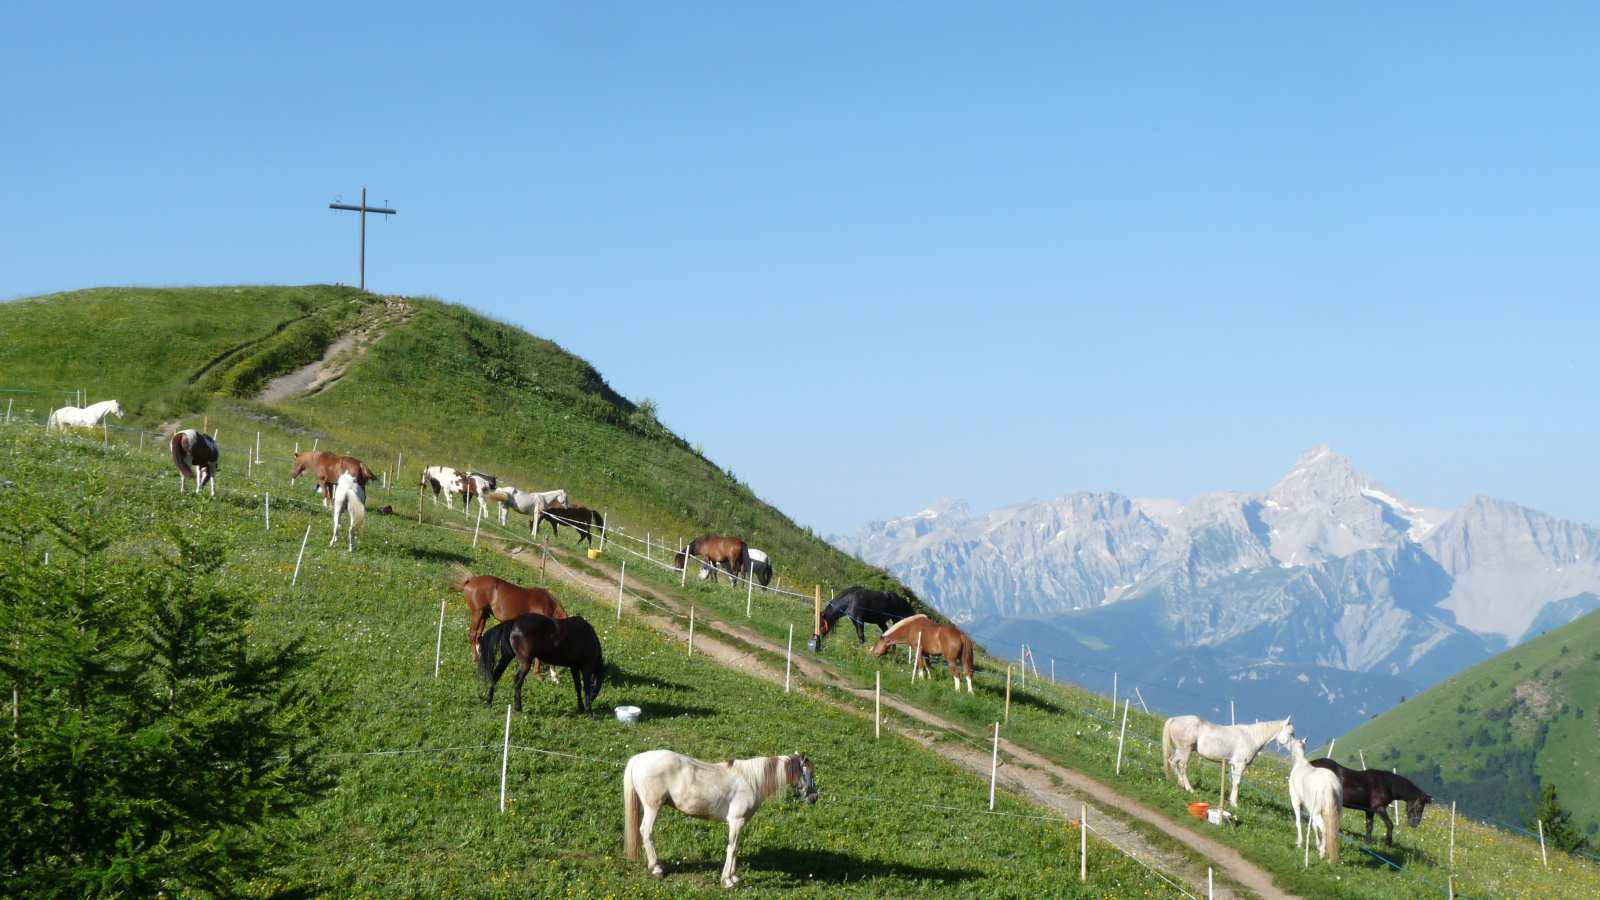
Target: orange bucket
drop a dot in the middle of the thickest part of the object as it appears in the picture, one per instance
(1199, 810)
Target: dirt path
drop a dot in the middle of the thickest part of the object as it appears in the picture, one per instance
(1044, 782)
(318, 376)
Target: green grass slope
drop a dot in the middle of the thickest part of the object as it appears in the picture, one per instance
(1487, 737)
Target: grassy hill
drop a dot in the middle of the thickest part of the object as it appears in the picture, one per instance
(1488, 736)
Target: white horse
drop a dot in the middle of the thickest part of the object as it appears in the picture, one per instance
(88, 416)
(729, 792)
(348, 496)
(1235, 744)
(1322, 795)
(526, 502)
(446, 479)
(757, 565)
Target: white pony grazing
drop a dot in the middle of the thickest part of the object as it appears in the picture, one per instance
(1235, 744)
(446, 479)
(729, 792)
(1322, 795)
(526, 502)
(88, 416)
(348, 496)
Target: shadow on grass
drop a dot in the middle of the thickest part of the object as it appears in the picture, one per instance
(839, 868)
(424, 553)
(673, 711)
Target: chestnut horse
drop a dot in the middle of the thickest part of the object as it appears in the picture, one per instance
(947, 641)
(487, 594)
(327, 467)
(730, 553)
(578, 518)
(197, 449)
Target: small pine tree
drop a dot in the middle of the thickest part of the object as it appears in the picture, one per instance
(1559, 830)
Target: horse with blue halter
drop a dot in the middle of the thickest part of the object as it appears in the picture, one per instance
(866, 607)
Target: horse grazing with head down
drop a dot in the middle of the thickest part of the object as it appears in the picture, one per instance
(1238, 745)
(326, 467)
(728, 552)
(486, 594)
(865, 607)
(351, 498)
(935, 639)
(1372, 790)
(86, 417)
(192, 450)
(1318, 791)
(729, 792)
(578, 518)
(530, 637)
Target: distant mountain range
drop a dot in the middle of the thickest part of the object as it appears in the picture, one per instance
(1327, 595)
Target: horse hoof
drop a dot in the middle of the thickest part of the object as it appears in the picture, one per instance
(658, 872)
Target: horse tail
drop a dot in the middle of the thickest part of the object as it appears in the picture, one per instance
(356, 502)
(498, 496)
(366, 473)
(463, 575)
(180, 456)
(490, 646)
(1330, 827)
(633, 812)
(1166, 748)
(966, 653)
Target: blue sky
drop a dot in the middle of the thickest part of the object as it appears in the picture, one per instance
(869, 255)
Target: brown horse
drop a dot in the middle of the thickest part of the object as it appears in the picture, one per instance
(327, 467)
(486, 594)
(578, 518)
(947, 641)
(730, 553)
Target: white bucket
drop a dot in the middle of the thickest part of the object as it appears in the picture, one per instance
(628, 714)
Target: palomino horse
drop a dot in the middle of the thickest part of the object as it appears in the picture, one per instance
(727, 552)
(1372, 790)
(327, 467)
(192, 450)
(88, 416)
(348, 496)
(446, 479)
(528, 503)
(578, 518)
(1238, 745)
(559, 642)
(1318, 790)
(935, 639)
(729, 792)
(487, 594)
(865, 607)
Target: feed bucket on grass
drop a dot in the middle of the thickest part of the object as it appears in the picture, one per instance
(1199, 810)
(593, 553)
(628, 714)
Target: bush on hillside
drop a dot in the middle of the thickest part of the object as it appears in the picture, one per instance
(152, 738)
(1560, 831)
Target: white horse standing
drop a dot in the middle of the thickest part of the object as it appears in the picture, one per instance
(88, 416)
(729, 792)
(1235, 744)
(348, 497)
(1322, 795)
(528, 503)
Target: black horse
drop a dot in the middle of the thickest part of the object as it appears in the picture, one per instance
(864, 607)
(569, 642)
(1372, 790)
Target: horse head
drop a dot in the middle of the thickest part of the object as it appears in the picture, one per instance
(116, 408)
(1285, 734)
(594, 679)
(1415, 808)
(805, 784)
(882, 646)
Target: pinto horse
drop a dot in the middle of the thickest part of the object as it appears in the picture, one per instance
(446, 479)
(729, 792)
(86, 417)
(327, 467)
(1236, 745)
(1372, 790)
(865, 607)
(477, 484)
(947, 641)
(578, 518)
(559, 642)
(192, 450)
(487, 594)
(728, 552)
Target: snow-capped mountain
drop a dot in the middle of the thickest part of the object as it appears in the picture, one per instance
(1329, 573)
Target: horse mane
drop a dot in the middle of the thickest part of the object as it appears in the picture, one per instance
(898, 626)
(1262, 732)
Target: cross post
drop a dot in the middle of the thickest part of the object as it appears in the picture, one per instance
(363, 209)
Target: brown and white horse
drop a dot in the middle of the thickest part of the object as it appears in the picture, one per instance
(730, 553)
(947, 641)
(327, 467)
(446, 479)
(487, 594)
(192, 450)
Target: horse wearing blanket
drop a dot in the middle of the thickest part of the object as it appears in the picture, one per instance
(1235, 744)
(729, 792)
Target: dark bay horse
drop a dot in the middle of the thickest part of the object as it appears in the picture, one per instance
(576, 517)
(727, 552)
(865, 607)
(569, 642)
(196, 449)
(326, 467)
(487, 594)
(947, 641)
(1372, 790)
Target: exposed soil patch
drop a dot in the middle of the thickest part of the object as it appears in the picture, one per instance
(315, 377)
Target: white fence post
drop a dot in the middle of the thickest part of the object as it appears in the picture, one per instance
(269, 512)
(1126, 702)
(505, 756)
(475, 527)
(788, 659)
(296, 579)
(1452, 834)
(438, 643)
(622, 580)
(1141, 701)
(994, 764)
(1542, 855)
(877, 705)
(749, 590)
(1083, 843)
